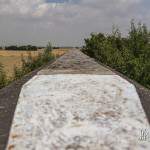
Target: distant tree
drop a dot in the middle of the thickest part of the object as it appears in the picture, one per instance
(20, 48)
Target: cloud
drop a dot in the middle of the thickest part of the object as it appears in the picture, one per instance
(65, 22)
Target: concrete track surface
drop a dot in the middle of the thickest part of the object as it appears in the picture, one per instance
(77, 104)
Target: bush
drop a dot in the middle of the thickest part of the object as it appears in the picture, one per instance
(3, 79)
(47, 55)
(31, 63)
(18, 73)
(129, 55)
(28, 64)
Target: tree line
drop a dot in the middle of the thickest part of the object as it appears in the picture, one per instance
(130, 55)
(31, 47)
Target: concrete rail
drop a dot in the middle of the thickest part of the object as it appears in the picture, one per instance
(77, 104)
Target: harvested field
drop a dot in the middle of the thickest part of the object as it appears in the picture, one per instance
(9, 59)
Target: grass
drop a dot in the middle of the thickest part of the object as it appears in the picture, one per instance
(9, 62)
(9, 59)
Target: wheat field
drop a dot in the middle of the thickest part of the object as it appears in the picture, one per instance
(9, 59)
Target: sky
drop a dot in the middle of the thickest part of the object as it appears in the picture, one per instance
(66, 22)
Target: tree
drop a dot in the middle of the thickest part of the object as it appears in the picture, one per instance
(129, 55)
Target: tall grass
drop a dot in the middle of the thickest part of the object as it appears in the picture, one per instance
(3, 78)
(31, 63)
(28, 64)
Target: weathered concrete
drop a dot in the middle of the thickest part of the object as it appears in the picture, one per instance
(77, 104)
(75, 62)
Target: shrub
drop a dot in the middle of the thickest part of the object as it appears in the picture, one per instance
(18, 73)
(3, 78)
(28, 64)
(129, 55)
(31, 63)
(47, 55)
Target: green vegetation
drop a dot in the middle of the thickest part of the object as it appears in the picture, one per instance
(28, 64)
(3, 80)
(21, 48)
(130, 55)
(31, 63)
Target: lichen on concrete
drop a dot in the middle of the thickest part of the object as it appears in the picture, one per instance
(75, 62)
(78, 112)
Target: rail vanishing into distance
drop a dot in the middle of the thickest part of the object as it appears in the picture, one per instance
(77, 104)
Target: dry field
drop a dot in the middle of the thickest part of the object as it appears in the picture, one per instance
(9, 59)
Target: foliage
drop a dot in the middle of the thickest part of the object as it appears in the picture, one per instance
(47, 53)
(31, 63)
(49, 47)
(3, 79)
(20, 48)
(28, 64)
(129, 55)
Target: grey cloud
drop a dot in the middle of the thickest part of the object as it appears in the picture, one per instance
(36, 22)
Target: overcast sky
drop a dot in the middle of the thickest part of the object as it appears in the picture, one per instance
(65, 22)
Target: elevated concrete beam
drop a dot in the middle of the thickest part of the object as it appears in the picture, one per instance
(75, 62)
(77, 104)
(86, 112)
